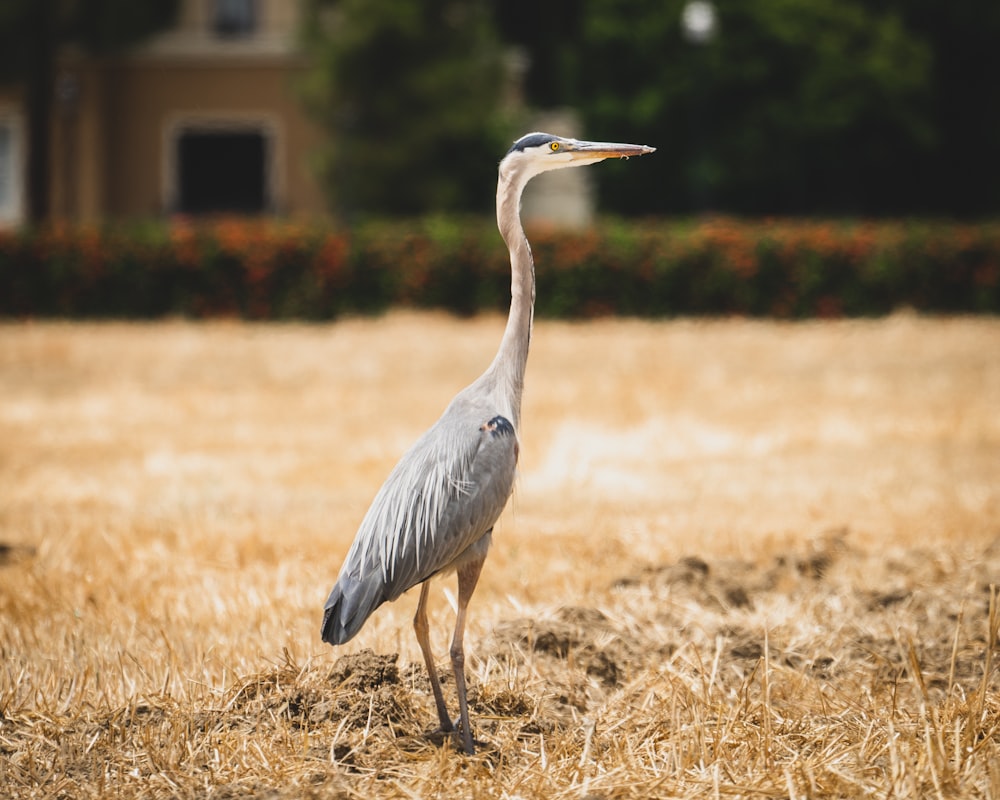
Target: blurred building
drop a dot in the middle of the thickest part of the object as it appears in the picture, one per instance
(203, 118)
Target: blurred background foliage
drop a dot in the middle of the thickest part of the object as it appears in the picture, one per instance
(272, 269)
(800, 107)
(410, 96)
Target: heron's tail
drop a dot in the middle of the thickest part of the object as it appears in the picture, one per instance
(350, 603)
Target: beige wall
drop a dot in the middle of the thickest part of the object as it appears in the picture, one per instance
(113, 152)
(145, 103)
(114, 133)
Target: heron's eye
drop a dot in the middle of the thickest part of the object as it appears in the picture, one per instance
(554, 146)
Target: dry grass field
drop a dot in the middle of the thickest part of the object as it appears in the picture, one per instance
(744, 559)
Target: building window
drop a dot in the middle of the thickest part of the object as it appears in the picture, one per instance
(233, 19)
(11, 170)
(222, 170)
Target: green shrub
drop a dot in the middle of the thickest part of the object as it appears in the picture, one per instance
(260, 269)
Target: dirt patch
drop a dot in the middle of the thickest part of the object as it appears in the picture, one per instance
(587, 637)
(735, 612)
(360, 691)
(15, 553)
(727, 584)
(363, 692)
(365, 670)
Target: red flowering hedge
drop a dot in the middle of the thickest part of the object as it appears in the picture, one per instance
(273, 270)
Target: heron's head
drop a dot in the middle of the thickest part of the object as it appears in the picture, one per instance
(535, 153)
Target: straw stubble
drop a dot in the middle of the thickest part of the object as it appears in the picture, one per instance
(743, 558)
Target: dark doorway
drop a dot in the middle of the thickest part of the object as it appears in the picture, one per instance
(222, 171)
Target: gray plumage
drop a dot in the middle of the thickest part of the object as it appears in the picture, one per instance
(436, 511)
(442, 497)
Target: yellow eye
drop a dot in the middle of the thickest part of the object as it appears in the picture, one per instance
(554, 146)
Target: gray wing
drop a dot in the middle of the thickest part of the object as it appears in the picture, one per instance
(444, 495)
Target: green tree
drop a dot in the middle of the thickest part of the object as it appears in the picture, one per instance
(792, 106)
(959, 177)
(409, 94)
(32, 33)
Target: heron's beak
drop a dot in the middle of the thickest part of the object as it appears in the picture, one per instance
(596, 151)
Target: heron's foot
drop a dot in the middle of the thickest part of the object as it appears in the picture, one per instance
(472, 746)
(454, 733)
(465, 737)
(447, 726)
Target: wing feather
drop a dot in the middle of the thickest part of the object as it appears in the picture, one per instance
(443, 496)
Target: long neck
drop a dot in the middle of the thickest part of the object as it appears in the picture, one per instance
(509, 365)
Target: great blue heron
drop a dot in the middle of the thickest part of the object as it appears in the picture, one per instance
(435, 512)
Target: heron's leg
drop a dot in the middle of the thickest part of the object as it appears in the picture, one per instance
(468, 577)
(422, 630)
